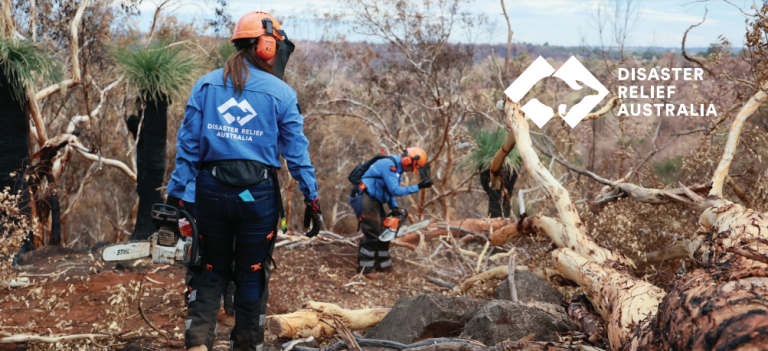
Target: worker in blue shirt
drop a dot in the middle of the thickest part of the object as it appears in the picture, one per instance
(380, 184)
(238, 122)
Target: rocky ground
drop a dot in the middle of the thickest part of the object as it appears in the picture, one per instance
(75, 293)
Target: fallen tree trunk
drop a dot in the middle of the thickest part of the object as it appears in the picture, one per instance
(317, 321)
(457, 229)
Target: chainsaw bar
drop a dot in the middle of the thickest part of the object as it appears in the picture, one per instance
(413, 227)
(126, 251)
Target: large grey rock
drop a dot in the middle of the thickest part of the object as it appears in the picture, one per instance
(529, 288)
(498, 321)
(425, 316)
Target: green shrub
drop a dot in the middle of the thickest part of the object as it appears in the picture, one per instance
(669, 170)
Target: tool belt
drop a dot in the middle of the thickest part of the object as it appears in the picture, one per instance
(240, 173)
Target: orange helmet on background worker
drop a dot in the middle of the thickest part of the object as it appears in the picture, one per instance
(414, 156)
(272, 40)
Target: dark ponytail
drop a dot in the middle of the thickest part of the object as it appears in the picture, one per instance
(235, 65)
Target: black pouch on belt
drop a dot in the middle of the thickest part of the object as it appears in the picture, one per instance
(240, 173)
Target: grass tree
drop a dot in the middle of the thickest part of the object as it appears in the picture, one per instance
(22, 63)
(481, 159)
(159, 73)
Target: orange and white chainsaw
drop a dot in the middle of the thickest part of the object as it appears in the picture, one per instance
(176, 241)
(393, 227)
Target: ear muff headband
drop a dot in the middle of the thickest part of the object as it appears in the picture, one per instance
(266, 48)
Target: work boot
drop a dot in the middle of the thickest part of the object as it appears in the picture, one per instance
(248, 333)
(204, 304)
(375, 276)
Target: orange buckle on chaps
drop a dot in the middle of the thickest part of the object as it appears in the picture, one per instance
(271, 235)
(255, 267)
(209, 268)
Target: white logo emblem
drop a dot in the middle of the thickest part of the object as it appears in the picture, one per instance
(245, 106)
(571, 72)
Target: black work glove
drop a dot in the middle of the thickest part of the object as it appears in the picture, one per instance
(313, 214)
(425, 177)
(173, 201)
(189, 207)
(396, 212)
(427, 183)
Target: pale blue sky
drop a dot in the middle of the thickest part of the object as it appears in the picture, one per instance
(558, 22)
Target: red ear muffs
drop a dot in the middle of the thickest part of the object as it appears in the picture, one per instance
(406, 160)
(266, 48)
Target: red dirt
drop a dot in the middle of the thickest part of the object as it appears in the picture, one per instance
(315, 273)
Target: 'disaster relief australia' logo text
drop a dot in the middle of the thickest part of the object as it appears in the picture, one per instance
(235, 132)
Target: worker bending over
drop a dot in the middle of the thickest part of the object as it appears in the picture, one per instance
(380, 184)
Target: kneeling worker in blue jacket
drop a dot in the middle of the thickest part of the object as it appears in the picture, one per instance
(380, 184)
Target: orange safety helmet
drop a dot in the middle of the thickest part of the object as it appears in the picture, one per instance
(261, 26)
(415, 156)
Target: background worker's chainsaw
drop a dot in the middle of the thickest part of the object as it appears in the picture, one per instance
(393, 223)
(393, 227)
(172, 243)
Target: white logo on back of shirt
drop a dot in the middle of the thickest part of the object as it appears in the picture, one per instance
(244, 105)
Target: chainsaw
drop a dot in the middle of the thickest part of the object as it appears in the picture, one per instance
(390, 223)
(176, 241)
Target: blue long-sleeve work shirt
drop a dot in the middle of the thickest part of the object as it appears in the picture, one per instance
(260, 124)
(382, 181)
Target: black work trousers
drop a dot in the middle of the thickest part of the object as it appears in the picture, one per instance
(373, 254)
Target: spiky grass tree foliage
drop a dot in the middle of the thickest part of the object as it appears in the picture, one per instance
(159, 73)
(21, 65)
(480, 158)
(487, 144)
